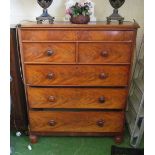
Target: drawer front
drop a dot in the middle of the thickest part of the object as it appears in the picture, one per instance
(104, 52)
(105, 35)
(49, 52)
(47, 35)
(78, 75)
(73, 35)
(86, 98)
(53, 121)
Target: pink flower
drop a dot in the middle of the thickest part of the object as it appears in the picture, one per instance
(69, 11)
(81, 4)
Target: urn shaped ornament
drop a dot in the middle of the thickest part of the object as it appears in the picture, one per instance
(45, 16)
(115, 16)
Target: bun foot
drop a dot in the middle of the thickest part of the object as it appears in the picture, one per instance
(33, 139)
(118, 139)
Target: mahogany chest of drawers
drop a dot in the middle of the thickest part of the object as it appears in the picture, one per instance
(76, 77)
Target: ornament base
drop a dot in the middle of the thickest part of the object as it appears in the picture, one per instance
(45, 16)
(115, 16)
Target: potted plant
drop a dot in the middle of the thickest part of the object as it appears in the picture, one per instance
(80, 13)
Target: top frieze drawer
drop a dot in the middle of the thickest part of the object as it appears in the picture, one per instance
(75, 35)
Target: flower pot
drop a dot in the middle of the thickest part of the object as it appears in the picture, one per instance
(80, 19)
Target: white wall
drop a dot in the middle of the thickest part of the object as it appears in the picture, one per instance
(29, 10)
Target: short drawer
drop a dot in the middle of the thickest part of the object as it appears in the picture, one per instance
(47, 35)
(52, 121)
(78, 98)
(78, 75)
(105, 35)
(49, 52)
(104, 53)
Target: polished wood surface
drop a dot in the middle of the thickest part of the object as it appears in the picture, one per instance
(96, 25)
(104, 53)
(77, 98)
(83, 75)
(49, 52)
(105, 35)
(74, 35)
(77, 77)
(46, 35)
(76, 121)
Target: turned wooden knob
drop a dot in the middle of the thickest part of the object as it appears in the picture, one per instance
(52, 123)
(50, 52)
(102, 99)
(51, 98)
(103, 76)
(50, 75)
(104, 53)
(100, 123)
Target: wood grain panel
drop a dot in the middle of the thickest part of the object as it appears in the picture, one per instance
(60, 52)
(86, 98)
(48, 35)
(80, 75)
(105, 35)
(52, 121)
(104, 53)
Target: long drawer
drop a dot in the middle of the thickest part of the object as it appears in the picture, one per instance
(78, 98)
(75, 35)
(49, 52)
(78, 75)
(104, 52)
(58, 121)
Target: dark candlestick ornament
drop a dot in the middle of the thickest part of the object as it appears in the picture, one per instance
(115, 16)
(45, 16)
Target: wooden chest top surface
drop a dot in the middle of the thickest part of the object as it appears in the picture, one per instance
(102, 24)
